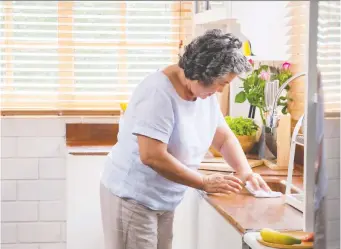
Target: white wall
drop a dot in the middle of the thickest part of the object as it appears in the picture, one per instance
(264, 24)
(332, 154)
(33, 183)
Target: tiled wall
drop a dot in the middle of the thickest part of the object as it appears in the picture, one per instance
(33, 183)
(332, 153)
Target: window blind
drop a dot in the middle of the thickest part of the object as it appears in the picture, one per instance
(329, 49)
(85, 55)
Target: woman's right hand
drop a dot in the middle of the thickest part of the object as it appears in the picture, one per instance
(219, 183)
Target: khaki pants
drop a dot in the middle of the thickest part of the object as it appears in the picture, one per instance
(129, 225)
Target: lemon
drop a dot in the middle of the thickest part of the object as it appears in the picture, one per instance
(275, 237)
(246, 48)
(123, 106)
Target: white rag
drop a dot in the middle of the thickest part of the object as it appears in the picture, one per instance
(261, 193)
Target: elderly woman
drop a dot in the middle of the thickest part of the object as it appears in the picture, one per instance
(172, 119)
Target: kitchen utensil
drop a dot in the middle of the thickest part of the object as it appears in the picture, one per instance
(270, 92)
(272, 117)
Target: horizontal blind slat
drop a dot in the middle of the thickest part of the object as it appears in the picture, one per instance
(81, 54)
(329, 53)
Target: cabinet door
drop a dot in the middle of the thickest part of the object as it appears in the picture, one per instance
(214, 231)
(186, 222)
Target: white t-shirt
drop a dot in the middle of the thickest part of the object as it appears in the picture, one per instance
(157, 111)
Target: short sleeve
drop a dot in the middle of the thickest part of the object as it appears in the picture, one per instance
(220, 117)
(154, 116)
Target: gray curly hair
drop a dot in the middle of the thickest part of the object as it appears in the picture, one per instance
(213, 55)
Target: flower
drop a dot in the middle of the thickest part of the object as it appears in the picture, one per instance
(286, 65)
(264, 75)
(251, 62)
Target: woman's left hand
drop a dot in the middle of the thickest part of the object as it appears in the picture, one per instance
(257, 181)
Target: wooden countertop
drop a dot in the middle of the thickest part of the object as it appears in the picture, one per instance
(248, 213)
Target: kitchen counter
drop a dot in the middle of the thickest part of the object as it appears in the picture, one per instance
(246, 212)
(243, 211)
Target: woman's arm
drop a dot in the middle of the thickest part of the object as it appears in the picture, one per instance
(154, 154)
(229, 147)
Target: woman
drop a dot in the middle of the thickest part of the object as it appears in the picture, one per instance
(171, 121)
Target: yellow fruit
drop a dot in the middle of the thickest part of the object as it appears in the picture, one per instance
(275, 237)
(246, 48)
(123, 106)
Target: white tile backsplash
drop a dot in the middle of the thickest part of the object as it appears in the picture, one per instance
(333, 168)
(53, 246)
(20, 246)
(332, 154)
(64, 231)
(8, 190)
(52, 211)
(42, 190)
(33, 187)
(8, 146)
(41, 147)
(19, 211)
(52, 168)
(332, 128)
(334, 189)
(39, 232)
(333, 209)
(33, 127)
(19, 168)
(333, 230)
(8, 233)
(334, 244)
(332, 148)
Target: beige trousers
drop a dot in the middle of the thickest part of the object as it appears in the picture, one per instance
(129, 225)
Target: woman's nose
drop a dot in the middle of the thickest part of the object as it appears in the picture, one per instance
(220, 89)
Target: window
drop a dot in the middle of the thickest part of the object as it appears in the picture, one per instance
(85, 55)
(329, 59)
(328, 53)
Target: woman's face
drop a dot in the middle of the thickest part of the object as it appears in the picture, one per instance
(200, 91)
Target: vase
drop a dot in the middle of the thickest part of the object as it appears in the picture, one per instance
(247, 142)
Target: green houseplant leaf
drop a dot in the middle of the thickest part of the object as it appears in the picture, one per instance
(240, 97)
(242, 126)
(254, 86)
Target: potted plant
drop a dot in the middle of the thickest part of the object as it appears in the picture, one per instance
(246, 131)
(254, 85)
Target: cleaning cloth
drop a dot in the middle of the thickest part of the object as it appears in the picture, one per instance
(261, 193)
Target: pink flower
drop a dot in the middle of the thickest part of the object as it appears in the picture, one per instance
(251, 62)
(264, 75)
(286, 65)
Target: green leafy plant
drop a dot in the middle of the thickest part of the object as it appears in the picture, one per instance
(242, 126)
(254, 85)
